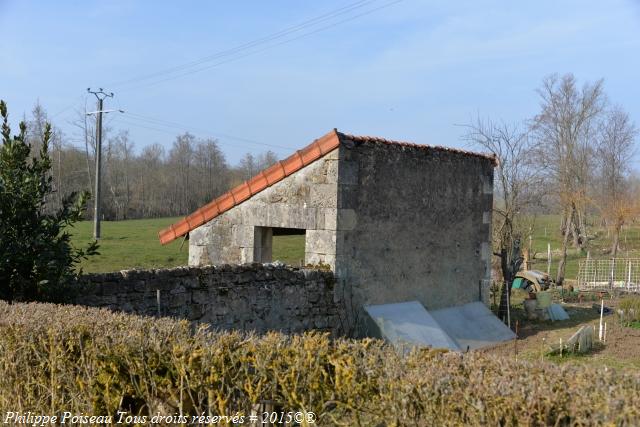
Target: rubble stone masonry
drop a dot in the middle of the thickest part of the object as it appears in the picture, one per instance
(250, 297)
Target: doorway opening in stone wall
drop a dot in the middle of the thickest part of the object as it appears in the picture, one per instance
(280, 244)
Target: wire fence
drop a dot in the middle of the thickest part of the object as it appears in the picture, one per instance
(609, 274)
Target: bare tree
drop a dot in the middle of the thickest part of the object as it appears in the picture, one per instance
(248, 167)
(148, 184)
(118, 178)
(615, 149)
(564, 130)
(266, 159)
(180, 162)
(152, 182)
(517, 188)
(211, 171)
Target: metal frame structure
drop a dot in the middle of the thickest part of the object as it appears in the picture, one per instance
(621, 274)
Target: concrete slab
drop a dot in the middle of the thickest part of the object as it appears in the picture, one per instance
(407, 324)
(472, 326)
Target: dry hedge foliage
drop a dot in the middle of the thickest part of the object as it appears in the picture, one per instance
(91, 361)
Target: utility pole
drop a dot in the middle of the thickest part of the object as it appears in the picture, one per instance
(100, 95)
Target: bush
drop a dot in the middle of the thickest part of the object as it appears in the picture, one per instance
(97, 362)
(630, 310)
(37, 260)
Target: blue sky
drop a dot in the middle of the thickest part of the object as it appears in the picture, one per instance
(412, 70)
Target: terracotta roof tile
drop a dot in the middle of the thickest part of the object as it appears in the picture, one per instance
(278, 172)
(242, 192)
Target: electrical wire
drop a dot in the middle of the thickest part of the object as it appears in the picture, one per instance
(253, 52)
(68, 107)
(153, 120)
(234, 54)
(151, 124)
(248, 45)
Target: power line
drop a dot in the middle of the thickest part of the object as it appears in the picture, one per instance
(208, 131)
(68, 107)
(152, 123)
(226, 61)
(251, 44)
(256, 42)
(232, 54)
(279, 149)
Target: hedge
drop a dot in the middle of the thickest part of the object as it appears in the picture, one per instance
(56, 359)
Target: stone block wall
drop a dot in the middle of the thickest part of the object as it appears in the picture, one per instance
(414, 224)
(305, 200)
(250, 297)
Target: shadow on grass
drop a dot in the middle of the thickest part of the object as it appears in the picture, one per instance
(576, 357)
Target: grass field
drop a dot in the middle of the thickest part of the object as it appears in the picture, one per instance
(547, 230)
(134, 243)
(130, 244)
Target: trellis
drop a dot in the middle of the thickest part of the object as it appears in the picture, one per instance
(609, 274)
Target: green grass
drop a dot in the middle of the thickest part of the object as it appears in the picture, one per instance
(547, 230)
(130, 244)
(134, 243)
(634, 324)
(288, 249)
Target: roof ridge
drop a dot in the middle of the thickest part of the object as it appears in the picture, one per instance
(376, 139)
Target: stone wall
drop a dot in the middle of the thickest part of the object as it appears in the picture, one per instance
(415, 224)
(305, 200)
(244, 297)
(395, 222)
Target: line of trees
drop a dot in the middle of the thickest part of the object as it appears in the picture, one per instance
(574, 157)
(151, 182)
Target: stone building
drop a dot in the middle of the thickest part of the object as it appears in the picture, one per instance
(394, 221)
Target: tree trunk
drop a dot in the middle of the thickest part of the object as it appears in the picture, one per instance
(506, 286)
(579, 228)
(563, 256)
(573, 230)
(616, 239)
(584, 242)
(510, 266)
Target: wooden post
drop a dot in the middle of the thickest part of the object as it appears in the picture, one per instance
(612, 275)
(158, 301)
(600, 331)
(549, 259)
(508, 306)
(527, 259)
(515, 341)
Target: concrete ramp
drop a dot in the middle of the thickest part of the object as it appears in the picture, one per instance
(456, 328)
(407, 324)
(472, 325)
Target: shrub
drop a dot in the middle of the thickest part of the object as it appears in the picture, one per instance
(97, 362)
(37, 260)
(630, 310)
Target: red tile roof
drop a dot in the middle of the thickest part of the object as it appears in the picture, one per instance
(278, 172)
